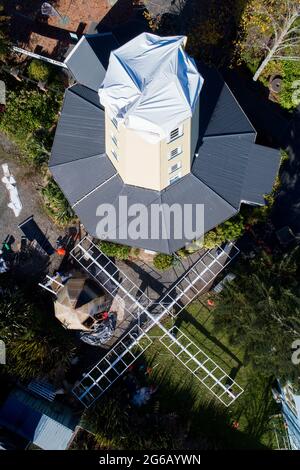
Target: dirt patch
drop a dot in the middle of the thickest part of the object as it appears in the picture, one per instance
(29, 184)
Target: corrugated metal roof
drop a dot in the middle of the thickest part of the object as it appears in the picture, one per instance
(222, 164)
(187, 190)
(263, 166)
(88, 60)
(228, 118)
(51, 435)
(190, 190)
(293, 425)
(80, 177)
(80, 131)
(220, 113)
(86, 93)
(18, 415)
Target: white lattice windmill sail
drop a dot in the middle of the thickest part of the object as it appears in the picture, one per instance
(137, 340)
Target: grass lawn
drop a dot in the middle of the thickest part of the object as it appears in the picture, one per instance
(180, 391)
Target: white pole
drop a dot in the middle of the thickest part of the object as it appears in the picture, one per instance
(38, 56)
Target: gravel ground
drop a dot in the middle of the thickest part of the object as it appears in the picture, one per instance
(28, 184)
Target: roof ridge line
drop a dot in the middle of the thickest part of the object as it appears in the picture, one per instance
(93, 190)
(214, 191)
(239, 105)
(73, 50)
(77, 160)
(216, 136)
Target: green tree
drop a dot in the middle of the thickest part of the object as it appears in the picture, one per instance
(270, 31)
(260, 311)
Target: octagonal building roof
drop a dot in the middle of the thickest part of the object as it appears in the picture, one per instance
(227, 166)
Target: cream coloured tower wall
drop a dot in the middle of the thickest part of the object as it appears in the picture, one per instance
(144, 164)
(182, 160)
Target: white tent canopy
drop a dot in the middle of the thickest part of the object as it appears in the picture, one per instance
(151, 84)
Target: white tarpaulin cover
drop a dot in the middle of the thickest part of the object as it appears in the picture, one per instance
(151, 84)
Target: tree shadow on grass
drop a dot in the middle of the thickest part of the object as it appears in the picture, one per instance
(176, 417)
(186, 317)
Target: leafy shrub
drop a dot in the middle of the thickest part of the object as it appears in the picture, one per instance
(289, 97)
(56, 204)
(182, 253)
(229, 230)
(162, 261)
(27, 111)
(115, 250)
(37, 150)
(38, 70)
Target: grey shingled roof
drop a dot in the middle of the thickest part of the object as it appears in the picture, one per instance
(88, 60)
(223, 115)
(78, 161)
(221, 164)
(262, 168)
(229, 168)
(187, 190)
(81, 127)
